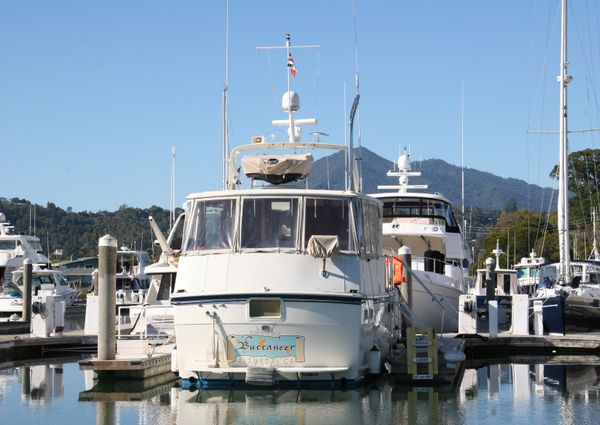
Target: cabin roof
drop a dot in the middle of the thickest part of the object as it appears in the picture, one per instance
(400, 195)
(278, 192)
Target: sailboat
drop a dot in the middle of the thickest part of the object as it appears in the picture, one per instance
(570, 289)
(280, 285)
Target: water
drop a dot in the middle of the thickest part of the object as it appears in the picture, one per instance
(54, 393)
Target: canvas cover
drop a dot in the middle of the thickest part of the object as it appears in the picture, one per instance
(277, 169)
(323, 246)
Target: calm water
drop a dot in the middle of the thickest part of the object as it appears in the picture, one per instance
(55, 393)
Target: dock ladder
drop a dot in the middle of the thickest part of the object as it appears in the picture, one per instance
(421, 353)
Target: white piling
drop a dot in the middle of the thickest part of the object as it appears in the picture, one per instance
(538, 317)
(493, 318)
(107, 303)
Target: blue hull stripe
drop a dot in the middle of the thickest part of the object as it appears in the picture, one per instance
(186, 384)
(310, 298)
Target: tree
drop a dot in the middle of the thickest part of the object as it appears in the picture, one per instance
(511, 205)
(524, 228)
(584, 185)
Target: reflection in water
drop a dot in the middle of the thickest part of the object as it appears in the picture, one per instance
(507, 393)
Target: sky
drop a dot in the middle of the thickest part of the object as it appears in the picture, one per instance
(93, 95)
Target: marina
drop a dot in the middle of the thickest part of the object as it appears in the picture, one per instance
(303, 278)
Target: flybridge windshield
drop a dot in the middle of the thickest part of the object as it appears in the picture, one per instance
(329, 217)
(421, 208)
(211, 225)
(269, 223)
(282, 223)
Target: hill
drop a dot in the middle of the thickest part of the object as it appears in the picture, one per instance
(483, 190)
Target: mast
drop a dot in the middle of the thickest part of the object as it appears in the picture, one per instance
(563, 204)
(595, 255)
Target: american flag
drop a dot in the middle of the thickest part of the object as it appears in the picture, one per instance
(291, 65)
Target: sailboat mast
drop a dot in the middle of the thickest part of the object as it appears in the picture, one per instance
(563, 204)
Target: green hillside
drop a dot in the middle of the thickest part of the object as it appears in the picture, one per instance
(482, 190)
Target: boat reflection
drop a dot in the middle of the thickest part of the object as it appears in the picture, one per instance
(487, 392)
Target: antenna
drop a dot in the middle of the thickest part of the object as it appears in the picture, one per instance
(225, 102)
(353, 183)
(357, 84)
(462, 149)
(172, 206)
(462, 143)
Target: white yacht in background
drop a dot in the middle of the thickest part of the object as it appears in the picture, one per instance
(132, 280)
(14, 248)
(528, 270)
(11, 300)
(281, 285)
(155, 316)
(424, 222)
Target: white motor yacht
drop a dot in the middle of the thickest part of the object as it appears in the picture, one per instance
(528, 270)
(132, 280)
(11, 300)
(281, 285)
(424, 222)
(15, 248)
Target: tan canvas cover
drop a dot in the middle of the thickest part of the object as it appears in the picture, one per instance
(323, 246)
(277, 168)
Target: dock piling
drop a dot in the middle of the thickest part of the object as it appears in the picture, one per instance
(107, 289)
(406, 289)
(27, 275)
(538, 322)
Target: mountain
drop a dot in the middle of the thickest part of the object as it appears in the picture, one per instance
(482, 189)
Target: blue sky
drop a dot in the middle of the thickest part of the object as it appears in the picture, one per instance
(94, 94)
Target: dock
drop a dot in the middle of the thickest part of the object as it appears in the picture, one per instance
(24, 346)
(481, 346)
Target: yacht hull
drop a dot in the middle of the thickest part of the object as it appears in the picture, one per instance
(571, 314)
(428, 310)
(318, 339)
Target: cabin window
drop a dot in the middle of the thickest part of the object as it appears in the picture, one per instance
(433, 210)
(211, 225)
(522, 273)
(370, 229)
(269, 223)
(265, 308)
(7, 245)
(329, 217)
(373, 226)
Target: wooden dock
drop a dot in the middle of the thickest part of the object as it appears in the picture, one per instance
(25, 346)
(481, 346)
(129, 368)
